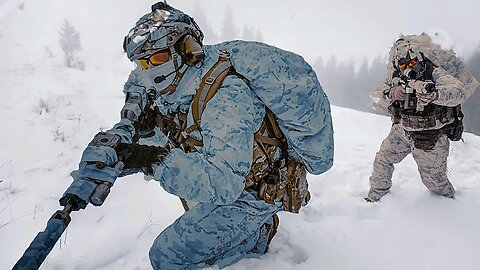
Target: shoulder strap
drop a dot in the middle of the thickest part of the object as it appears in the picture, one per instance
(211, 82)
(457, 112)
(429, 70)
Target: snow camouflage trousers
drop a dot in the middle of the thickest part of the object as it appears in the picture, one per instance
(432, 164)
(210, 234)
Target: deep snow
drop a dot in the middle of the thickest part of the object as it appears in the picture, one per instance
(48, 114)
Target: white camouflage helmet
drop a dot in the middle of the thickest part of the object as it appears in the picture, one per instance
(405, 50)
(408, 58)
(444, 58)
(165, 28)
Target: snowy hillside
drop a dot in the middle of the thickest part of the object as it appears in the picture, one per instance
(50, 113)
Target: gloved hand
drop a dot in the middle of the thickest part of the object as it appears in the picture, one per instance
(396, 81)
(96, 166)
(424, 99)
(138, 156)
(422, 87)
(397, 93)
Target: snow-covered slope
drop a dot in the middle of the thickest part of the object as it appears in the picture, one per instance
(49, 114)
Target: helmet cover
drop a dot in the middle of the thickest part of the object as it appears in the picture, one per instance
(160, 29)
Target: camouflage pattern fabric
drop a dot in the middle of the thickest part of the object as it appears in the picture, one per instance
(446, 59)
(453, 80)
(41, 245)
(210, 234)
(432, 164)
(214, 176)
(83, 179)
(454, 84)
(280, 80)
(228, 223)
(451, 91)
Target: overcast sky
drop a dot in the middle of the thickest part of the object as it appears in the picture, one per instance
(347, 28)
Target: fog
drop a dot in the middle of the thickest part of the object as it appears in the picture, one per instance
(345, 41)
(345, 29)
(350, 88)
(50, 112)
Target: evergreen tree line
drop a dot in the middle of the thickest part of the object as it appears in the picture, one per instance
(351, 88)
(228, 31)
(345, 86)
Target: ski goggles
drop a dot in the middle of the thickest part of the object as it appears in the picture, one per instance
(156, 59)
(411, 63)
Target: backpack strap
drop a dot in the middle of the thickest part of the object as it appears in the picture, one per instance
(211, 82)
(269, 133)
(457, 112)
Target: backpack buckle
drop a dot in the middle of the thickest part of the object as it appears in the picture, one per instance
(184, 134)
(210, 80)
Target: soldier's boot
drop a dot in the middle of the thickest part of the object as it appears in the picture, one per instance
(267, 232)
(374, 195)
(272, 229)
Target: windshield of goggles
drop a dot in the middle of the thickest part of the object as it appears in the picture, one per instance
(411, 63)
(156, 59)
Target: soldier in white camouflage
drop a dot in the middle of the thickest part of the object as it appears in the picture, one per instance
(424, 89)
(241, 123)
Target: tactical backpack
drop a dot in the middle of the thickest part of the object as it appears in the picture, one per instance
(283, 179)
(454, 130)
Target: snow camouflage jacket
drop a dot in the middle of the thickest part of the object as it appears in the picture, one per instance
(216, 172)
(453, 80)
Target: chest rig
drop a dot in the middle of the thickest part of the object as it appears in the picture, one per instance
(433, 117)
(272, 170)
(425, 127)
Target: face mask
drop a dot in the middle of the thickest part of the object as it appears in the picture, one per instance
(416, 72)
(160, 77)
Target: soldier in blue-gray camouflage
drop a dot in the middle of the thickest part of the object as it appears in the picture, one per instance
(424, 89)
(241, 122)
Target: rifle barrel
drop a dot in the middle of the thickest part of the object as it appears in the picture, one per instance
(44, 242)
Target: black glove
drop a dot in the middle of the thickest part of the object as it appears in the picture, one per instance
(137, 156)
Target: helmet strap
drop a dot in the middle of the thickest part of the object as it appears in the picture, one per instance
(178, 74)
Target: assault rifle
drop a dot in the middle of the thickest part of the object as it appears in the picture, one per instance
(410, 103)
(129, 156)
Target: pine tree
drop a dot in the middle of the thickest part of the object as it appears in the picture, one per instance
(471, 108)
(247, 34)
(229, 31)
(70, 44)
(202, 21)
(259, 36)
